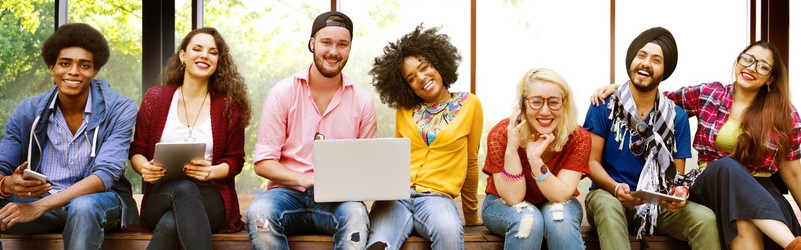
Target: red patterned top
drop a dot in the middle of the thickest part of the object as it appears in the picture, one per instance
(575, 155)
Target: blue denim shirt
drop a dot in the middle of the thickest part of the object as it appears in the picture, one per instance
(110, 127)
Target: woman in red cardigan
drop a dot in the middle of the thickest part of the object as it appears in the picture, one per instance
(204, 100)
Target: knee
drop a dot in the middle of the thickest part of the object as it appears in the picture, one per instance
(526, 221)
(262, 216)
(85, 206)
(185, 188)
(167, 223)
(353, 214)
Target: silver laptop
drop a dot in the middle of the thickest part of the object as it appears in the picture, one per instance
(361, 169)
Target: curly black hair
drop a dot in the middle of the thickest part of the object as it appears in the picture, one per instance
(226, 80)
(76, 35)
(430, 44)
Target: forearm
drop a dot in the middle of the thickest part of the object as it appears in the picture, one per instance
(790, 172)
(512, 191)
(88, 185)
(137, 161)
(278, 173)
(600, 178)
(219, 171)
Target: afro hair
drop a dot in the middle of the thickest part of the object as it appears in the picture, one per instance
(429, 44)
(76, 35)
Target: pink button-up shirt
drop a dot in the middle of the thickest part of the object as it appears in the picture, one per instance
(290, 120)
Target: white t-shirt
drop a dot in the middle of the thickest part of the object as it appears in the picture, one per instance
(175, 131)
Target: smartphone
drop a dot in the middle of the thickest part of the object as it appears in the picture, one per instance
(522, 109)
(33, 175)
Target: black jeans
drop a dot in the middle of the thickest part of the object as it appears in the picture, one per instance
(183, 214)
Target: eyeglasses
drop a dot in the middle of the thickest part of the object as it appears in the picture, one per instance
(638, 147)
(762, 67)
(536, 102)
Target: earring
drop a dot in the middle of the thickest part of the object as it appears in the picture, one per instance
(768, 88)
(183, 65)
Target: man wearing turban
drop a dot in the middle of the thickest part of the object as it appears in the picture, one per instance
(640, 142)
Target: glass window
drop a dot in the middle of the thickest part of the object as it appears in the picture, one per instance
(515, 36)
(268, 42)
(24, 26)
(121, 24)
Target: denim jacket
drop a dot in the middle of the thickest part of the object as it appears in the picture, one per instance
(110, 129)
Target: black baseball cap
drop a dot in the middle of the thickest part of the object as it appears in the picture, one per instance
(320, 22)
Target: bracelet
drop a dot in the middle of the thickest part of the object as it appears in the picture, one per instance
(512, 177)
(615, 191)
(4, 195)
(542, 177)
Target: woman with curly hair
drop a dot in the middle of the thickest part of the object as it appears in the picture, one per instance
(204, 100)
(534, 162)
(413, 76)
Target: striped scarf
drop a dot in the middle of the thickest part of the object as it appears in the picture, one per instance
(659, 143)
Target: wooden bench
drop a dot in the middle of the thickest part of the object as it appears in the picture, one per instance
(476, 237)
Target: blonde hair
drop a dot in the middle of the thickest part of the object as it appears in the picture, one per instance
(568, 122)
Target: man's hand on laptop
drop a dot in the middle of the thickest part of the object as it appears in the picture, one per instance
(306, 180)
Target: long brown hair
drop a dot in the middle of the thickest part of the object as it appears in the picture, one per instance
(224, 81)
(768, 116)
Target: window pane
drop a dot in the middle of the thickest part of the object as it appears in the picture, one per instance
(121, 23)
(515, 36)
(24, 27)
(268, 42)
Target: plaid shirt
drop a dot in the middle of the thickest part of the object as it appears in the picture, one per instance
(711, 103)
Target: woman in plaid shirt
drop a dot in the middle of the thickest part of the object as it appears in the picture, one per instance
(747, 131)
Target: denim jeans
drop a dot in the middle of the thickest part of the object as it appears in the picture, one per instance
(431, 215)
(281, 211)
(694, 223)
(82, 221)
(524, 225)
(183, 214)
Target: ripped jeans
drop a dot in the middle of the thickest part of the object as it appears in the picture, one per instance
(281, 211)
(524, 225)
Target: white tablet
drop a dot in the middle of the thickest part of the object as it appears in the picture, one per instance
(174, 155)
(654, 197)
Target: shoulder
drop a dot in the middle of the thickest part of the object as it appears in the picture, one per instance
(580, 134)
(499, 130)
(681, 114)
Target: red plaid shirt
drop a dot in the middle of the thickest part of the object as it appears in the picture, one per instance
(711, 103)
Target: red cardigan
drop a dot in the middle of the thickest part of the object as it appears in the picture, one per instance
(228, 138)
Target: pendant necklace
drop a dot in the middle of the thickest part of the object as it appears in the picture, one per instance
(189, 137)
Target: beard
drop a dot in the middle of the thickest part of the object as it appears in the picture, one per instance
(638, 84)
(319, 62)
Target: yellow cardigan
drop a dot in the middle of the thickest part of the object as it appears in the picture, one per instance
(450, 164)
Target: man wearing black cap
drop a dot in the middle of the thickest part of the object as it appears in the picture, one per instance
(640, 142)
(318, 102)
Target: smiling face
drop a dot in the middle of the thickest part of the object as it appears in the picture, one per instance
(424, 79)
(647, 67)
(200, 56)
(73, 72)
(544, 120)
(748, 78)
(331, 47)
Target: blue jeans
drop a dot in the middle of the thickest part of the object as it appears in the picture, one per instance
(431, 215)
(82, 221)
(524, 225)
(183, 213)
(281, 211)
